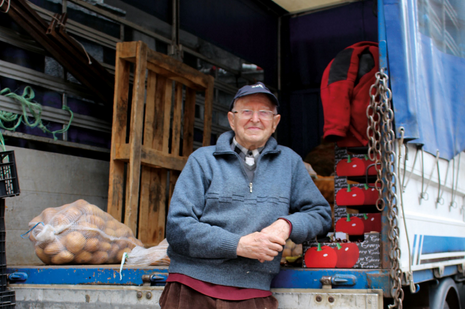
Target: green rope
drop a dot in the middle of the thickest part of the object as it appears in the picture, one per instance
(27, 105)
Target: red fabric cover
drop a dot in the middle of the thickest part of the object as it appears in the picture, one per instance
(345, 99)
(218, 291)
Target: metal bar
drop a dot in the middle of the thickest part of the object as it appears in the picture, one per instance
(90, 74)
(58, 115)
(78, 29)
(33, 77)
(156, 36)
(121, 20)
(14, 38)
(54, 142)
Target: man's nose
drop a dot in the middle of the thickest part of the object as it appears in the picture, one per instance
(255, 117)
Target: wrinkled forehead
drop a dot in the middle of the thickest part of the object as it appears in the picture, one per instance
(257, 101)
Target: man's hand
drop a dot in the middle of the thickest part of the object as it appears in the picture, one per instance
(260, 246)
(280, 228)
(266, 244)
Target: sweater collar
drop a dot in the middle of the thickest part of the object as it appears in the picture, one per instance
(223, 145)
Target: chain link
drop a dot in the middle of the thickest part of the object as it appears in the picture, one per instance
(381, 150)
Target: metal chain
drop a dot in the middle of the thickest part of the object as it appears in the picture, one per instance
(381, 150)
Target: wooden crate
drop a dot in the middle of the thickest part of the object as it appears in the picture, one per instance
(152, 134)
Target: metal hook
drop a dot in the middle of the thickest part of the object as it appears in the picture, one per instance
(456, 181)
(440, 200)
(423, 190)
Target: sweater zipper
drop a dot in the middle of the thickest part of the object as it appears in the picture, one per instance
(250, 187)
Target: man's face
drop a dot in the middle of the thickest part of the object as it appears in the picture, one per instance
(253, 132)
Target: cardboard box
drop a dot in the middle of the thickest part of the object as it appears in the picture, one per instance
(358, 255)
(353, 164)
(354, 194)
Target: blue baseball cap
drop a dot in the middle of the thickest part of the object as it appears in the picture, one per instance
(253, 89)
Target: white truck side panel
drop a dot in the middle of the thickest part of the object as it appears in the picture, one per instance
(433, 200)
(145, 297)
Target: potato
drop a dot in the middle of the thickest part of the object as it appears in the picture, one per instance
(42, 256)
(120, 253)
(80, 203)
(104, 246)
(112, 254)
(122, 243)
(99, 257)
(32, 237)
(87, 229)
(98, 221)
(63, 257)
(83, 257)
(36, 220)
(74, 242)
(48, 214)
(297, 250)
(286, 252)
(110, 232)
(134, 242)
(112, 224)
(60, 220)
(122, 232)
(92, 245)
(54, 247)
(90, 209)
(73, 213)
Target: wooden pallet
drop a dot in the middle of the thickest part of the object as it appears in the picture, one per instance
(152, 134)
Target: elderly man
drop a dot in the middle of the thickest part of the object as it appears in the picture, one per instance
(233, 208)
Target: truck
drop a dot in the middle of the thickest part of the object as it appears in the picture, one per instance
(414, 123)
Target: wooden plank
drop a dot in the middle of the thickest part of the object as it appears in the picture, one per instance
(174, 76)
(153, 231)
(158, 180)
(118, 137)
(128, 50)
(135, 139)
(148, 190)
(155, 158)
(189, 119)
(207, 119)
(177, 120)
(152, 158)
(165, 137)
(172, 67)
(159, 121)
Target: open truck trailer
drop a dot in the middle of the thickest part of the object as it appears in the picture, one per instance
(415, 258)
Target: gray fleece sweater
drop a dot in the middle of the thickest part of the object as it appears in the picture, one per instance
(214, 204)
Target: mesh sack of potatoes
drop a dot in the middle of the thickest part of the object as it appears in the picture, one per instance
(80, 233)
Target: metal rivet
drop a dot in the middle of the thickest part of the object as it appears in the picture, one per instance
(318, 298)
(139, 294)
(331, 299)
(148, 295)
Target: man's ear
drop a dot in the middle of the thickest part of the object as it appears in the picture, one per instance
(231, 120)
(276, 120)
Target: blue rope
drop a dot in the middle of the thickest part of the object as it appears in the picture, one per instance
(31, 229)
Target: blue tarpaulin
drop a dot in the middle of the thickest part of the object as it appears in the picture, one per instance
(426, 64)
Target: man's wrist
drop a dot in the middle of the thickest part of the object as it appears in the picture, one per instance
(290, 225)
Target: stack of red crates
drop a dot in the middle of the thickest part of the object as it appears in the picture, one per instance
(355, 242)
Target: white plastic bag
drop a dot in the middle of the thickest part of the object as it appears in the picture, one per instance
(154, 256)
